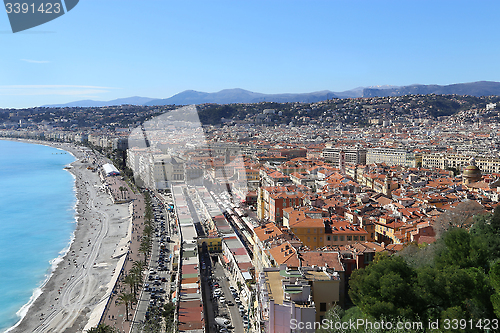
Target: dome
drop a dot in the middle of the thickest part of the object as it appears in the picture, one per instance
(472, 170)
(471, 174)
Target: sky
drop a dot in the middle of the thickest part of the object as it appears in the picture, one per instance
(108, 49)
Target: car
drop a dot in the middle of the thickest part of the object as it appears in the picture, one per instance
(245, 322)
(233, 289)
(241, 307)
(237, 300)
(222, 299)
(230, 303)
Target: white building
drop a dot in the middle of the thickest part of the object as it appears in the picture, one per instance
(391, 156)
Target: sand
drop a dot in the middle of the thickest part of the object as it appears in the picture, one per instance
(80, 285)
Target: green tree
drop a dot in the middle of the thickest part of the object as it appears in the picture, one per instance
(385, 288)
(145, 247)
(131, 281)
(123, 190)
(103, 328)
(126, 299)
(494, 278)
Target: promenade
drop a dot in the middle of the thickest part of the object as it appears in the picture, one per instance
(115, 312)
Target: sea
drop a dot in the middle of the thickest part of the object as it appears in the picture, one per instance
(37, 222)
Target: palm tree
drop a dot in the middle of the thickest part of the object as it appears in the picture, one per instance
(130, 280)
(148, 230)
(126, 299)
(103, 328)
(145, 247)
(139, 265)
(123, 189)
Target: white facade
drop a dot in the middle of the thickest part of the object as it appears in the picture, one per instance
(391, 156)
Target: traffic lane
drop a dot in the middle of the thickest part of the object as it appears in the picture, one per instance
(236, 319)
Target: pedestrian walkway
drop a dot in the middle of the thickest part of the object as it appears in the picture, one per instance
(115, 313)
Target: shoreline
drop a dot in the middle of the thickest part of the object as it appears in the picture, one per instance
(77, 283)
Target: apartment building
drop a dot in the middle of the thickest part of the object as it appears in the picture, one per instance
(288, 295)
(391, 156)
(353, 155)
(442, 161)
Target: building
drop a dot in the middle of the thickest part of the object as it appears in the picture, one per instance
(288, 295)
(443, 161)
(353, 155)
(316, 230)
(391, 156)
(471, 173)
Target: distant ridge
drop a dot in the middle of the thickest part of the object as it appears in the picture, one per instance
(136, 100)
(480, 88)
(228, 96)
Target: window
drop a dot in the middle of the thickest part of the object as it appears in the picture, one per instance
(308, 239)
(328, 238)
(335, 238)
(361, 238)
(322, 307)
(341, 238)
(355, 238)
(308, 231)
(349, 238)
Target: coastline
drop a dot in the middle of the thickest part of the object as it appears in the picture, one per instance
(80, 275)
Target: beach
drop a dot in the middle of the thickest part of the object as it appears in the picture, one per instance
(79, 287)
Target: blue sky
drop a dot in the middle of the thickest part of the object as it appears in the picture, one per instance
(107, 49)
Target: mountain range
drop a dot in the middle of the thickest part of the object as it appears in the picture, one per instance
(228, 96)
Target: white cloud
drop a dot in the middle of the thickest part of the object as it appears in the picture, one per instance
(36, 61)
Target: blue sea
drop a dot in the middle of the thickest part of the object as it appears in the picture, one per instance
(37, 221)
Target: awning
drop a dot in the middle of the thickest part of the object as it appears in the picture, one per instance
(225, 259)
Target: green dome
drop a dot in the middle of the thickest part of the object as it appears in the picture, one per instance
(472, 170)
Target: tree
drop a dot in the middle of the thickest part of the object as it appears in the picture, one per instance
(462, 249)
(126, 299)
(103, 328)
(494, 278)
(336, 315)
(385, 288)
(123, 189)
(130, 280)
(168, 314)
(139, 265)
(461, 216)
(145, 247)
(136, 273)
